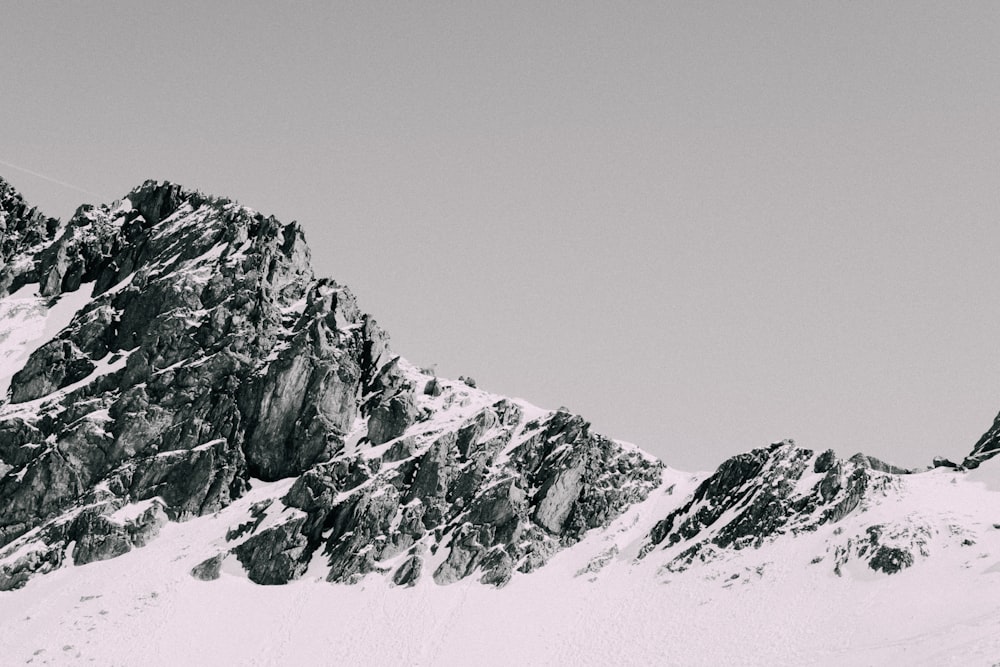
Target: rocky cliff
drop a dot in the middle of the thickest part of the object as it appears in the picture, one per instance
(203, 357)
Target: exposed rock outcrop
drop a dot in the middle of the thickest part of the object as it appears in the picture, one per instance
(753, 497)
(986, 447)
(24, 231)
(209, 357)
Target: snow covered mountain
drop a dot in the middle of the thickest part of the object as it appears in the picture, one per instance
(185, 398)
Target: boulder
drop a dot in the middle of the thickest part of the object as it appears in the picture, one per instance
(209, 569)
(276, 555)
(408, 574)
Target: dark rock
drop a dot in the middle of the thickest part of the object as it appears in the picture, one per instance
(890, 560)
(408, 574)
(53, 366)
(299, 411)
(209, 569)
(402, 449)
(557, 496)
(760, 496)
(41, 561)
(393, 407)
(156, 201)
(390, 419)
(277, 555)
(464, 556)
(23, 231)
(435, 473)
(359, 536)
(100, 537)
(725, 488)
(825, 461)
(850, 493)
(316, 491)
(142, 529)
(498, 568)
(876, 464)
(19, 442)
(832, 483)
(986, 447)
(190, 482)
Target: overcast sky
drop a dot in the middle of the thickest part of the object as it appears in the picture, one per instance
(703, 226)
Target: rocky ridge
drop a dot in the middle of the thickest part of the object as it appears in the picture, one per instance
(207, 358)
(782, 490)
(986, 448)
(195, 360)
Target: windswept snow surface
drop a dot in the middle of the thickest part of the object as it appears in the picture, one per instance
(144, 608)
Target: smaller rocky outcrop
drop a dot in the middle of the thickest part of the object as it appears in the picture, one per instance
(885, 548)
(36, 562)
(754, 497)
(101, 531)
(986, 447)
(392, 406)
(408, 574)
(276, 555)
(209, 569)
(942, 462)
(55, 365)
(877, 464)
(100, 537)
(24, 231)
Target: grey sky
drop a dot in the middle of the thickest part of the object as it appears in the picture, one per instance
(705, 226)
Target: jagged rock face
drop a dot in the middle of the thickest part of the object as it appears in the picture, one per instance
(477, 490)
(23, 231)
(754, 497)
(205, 356)
(986, 448)
(209, 353)
(55, 365)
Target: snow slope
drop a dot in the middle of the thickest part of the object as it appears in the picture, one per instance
(144, 607)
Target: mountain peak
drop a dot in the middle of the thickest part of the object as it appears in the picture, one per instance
(202, 354)
(156, 200)
(172, 355)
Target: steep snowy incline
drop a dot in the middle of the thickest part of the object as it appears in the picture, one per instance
(943, 612)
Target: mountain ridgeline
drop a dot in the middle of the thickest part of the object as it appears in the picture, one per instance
(172, 355)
